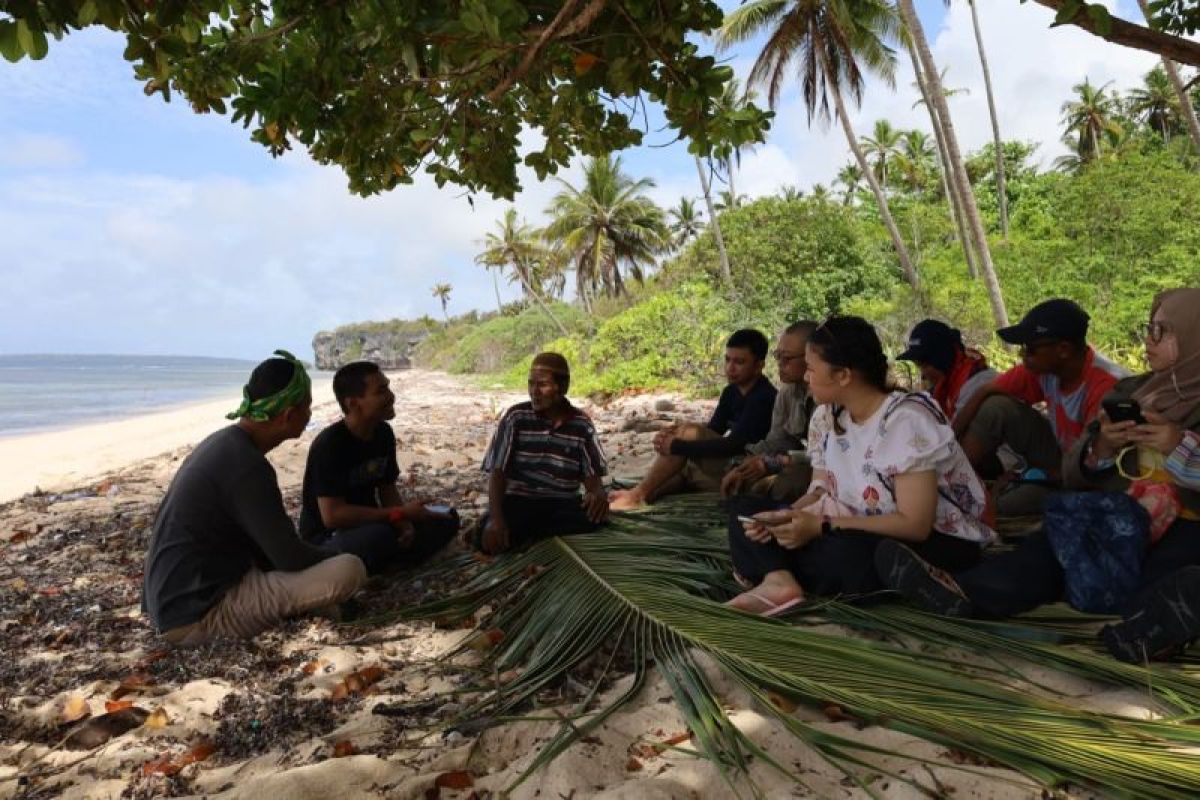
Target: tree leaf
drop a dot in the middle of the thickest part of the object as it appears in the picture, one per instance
(12, 50)
(75, 708)
(33, 40)
(458, 779)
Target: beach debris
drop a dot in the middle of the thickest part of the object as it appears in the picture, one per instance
(343, 748)
(157, 719)
(458, 779)
(170, 764)
(356, 682)
(130, 684)
(74, 709)
(99, 730)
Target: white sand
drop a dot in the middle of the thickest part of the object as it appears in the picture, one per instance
(69, 458)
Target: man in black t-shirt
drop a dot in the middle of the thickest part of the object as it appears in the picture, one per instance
(694, 457)
(351, 501)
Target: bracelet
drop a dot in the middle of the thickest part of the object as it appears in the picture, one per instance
(396, 514)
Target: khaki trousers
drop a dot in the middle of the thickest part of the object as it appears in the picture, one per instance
(262, 600)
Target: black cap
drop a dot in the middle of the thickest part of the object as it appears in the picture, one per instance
(934, 343)
(1053, 319)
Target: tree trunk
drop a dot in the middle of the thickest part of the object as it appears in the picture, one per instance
(1001, 190)
(726, 271)
(527, 287)
(1185, 102)
(958, 172)
(496, 286)
(953, 200)
(1127, 34)
(906, 266)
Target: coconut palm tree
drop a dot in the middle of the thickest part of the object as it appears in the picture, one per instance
(827, 41)
(609, 228)
(881, 147)
(442, 292)
(517, 247)
(729, 201)
(733, 99)
(820, 193)
(850, 177)
(1001, 190)
(686, 222)
(958, 174)
(916, 162)
(790, 192)
(703, 171)
(1187, 110)
(1090, 117)
(954, 202)
(1156, 104)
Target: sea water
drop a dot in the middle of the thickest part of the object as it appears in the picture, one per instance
(42, 392)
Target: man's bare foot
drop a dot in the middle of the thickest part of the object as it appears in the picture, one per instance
(625, 500)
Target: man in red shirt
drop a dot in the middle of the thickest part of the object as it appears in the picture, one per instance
(1057, 368)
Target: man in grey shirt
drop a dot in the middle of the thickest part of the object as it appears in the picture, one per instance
(774, 466)
(224, 558)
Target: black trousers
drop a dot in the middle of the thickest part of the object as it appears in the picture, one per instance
(1030, 576)
(842, 562)
(379, 547)
(532, 518)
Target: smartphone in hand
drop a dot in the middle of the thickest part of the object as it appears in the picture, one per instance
(1123, 411)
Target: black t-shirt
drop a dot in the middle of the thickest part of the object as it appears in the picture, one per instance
(342, 465)
(222, 515)
(741, 419)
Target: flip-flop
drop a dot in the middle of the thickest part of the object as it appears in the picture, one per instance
(772, 609)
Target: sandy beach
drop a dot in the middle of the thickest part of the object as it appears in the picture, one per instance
(290, 714)
(61, 459)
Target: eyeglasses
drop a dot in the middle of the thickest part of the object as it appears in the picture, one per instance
(1153, 331)
(784, 358)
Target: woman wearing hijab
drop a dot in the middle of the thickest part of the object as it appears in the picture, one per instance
(1156, 459)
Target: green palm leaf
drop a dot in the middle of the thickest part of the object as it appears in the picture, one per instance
(651, 584)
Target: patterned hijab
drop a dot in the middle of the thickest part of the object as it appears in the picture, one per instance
(264, 408)
(1175, 392)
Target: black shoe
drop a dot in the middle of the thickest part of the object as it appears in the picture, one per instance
(1165, 620)
(918, 581)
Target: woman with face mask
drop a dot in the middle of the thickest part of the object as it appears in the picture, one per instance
(886, 466)
(1152, 452)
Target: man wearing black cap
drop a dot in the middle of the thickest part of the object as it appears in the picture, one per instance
(1007, 435)
(1057, 368)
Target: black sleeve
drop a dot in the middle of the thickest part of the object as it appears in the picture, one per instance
(325, 471)
(257, 506)
(719, 423)
(724, 447)
(392, 474)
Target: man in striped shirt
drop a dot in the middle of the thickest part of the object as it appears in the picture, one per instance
(540, 454)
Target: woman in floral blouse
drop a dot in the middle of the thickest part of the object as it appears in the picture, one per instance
(885, 466)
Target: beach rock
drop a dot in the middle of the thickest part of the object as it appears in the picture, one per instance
(664, 404)
(388, 344)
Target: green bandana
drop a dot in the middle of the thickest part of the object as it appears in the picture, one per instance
(264, 408)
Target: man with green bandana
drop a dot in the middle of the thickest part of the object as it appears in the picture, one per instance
(224, 558)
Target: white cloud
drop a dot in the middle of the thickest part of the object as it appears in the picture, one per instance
(1033, 69)
(38, 151)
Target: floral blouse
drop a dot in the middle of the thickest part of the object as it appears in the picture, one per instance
(907, 434)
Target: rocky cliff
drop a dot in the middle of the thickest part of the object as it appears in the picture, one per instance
(389, 344)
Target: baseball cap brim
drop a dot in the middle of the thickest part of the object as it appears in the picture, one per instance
(911, 354)
(1015, 334)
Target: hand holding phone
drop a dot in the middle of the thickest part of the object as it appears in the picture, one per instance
(1123, 411)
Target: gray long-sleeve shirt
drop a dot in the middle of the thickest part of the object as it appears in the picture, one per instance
(789, 422)
(222, 516)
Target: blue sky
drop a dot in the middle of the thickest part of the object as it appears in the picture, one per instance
(135, 226)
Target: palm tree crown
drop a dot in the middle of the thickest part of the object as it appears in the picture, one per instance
(1090, 117)
(686, 222)
(606, 225)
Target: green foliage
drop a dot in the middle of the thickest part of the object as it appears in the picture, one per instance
(791, 258)
(387, 89)
(497, 343)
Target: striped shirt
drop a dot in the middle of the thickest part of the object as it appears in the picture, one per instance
(541, 459)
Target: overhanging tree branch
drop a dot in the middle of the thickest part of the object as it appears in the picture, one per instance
(1129, 34)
